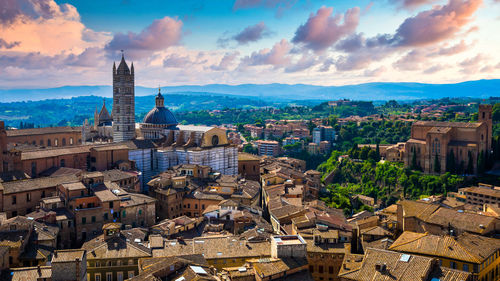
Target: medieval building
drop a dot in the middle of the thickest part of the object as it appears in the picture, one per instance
(160, 142)
(434, 145)
(123, 102)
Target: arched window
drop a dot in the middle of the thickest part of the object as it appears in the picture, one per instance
(436, 147)
(49, 143)
(63, 141)
(56, 142)
(41, 142)
(63, 163)
(71, 141)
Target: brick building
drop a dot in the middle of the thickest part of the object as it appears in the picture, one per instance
(434, 142)
(48, 137)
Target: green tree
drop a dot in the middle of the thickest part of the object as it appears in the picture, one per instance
(470, 165)
(450, 163)
(437, 165)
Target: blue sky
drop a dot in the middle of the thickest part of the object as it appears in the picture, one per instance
(48, 43)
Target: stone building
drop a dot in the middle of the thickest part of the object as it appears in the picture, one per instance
(49, 136)
(434, 143)
(123, 102)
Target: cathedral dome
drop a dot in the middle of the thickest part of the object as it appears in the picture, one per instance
(160, 115)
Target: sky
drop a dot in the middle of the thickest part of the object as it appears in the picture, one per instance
(53, 43)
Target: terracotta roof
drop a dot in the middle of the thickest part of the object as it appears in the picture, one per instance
(43, 131)
(447, 124)
(54, 152)
(466, 221)
(466, 247)
(482, 190)
(399, 266)
(242, 156)
(31, 273)
(269, 267)
(34, 184)
(215, 248)
(68, 255)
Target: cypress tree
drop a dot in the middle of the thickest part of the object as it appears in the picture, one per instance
(470, 166)
(437, 165)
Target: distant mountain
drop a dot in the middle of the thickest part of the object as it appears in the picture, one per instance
(282, 92)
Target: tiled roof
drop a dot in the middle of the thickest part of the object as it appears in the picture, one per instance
(43, 131)
(447, 124)
(397, 269)
(54, 152)
(215, 247)
(466, 221)
(34, 184)
(31, 273)
(68, 255)
(466, 247)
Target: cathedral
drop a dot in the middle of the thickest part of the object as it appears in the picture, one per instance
(159, 142)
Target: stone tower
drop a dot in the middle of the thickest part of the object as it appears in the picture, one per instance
(123, 102)
(484, 115)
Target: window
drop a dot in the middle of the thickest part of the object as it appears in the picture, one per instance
(130, 274)
(97, 277)
(311, 269)
(14, 200)
(84, 220)
(465, 267)
(140, 212)
(109, 276)
(453, 265)
(93, 218)
(48, 143)
(43, 193)
(106, 216)
(119, 276)
(111, 205)
(124, 214)
(28, 197)
(63, 163)
(320, 269)
(71, 141)
(56, 142)
(63, 141)
(330, 269)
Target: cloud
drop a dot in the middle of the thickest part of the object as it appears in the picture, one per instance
(327, 63)
(435, 68)
(252, 33)
(351, 44)
(411, 4)
(161, 34)
(4, 44)
(413, 60)
(306, 61)
(472, 64)
(453, 50)
(226, 62)
(436, 24)
(375, 72)
(177, 61)
(323, 29)
(277, 56)
(32, 26)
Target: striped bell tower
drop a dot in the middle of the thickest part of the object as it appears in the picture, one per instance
(123, 112)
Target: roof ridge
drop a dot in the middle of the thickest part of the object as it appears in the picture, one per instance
(467, 251)
(422, 235)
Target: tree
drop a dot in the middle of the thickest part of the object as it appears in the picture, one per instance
(437, 165)
(470, 165)
(481, 163)
(414, 164)
(450, 163)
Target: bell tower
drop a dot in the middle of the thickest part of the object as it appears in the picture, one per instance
(485, 116)
(123, 102)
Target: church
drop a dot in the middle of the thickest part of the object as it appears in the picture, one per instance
(432, 144)
(158, 142)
